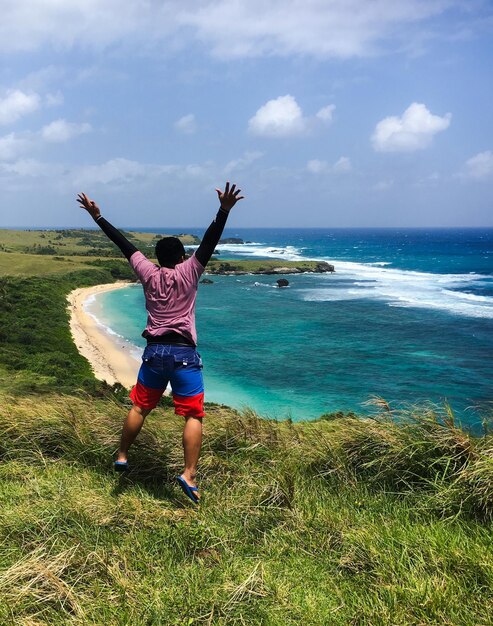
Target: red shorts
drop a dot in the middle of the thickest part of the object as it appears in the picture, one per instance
(147, 398)
(182, 368)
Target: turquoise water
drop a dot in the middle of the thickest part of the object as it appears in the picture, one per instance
(407, 316)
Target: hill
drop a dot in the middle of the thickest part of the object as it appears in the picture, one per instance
(341, 521)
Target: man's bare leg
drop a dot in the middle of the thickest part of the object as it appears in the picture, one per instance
(131, 428)
(192, 442)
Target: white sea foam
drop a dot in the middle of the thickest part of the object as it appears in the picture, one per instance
(405, 288)
(257, 284)
(88, 304)
(377, 281)
(289, 253)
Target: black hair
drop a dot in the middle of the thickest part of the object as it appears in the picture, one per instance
(169, 251)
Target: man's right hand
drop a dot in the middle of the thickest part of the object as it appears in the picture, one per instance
(89, 205)
(229, 197)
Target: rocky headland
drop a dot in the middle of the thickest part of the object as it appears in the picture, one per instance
(239, 268)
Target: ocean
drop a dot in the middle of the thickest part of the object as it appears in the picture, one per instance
(407, 317)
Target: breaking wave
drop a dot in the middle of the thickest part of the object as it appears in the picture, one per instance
(377, 281)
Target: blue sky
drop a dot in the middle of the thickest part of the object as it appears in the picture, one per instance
(326, 112)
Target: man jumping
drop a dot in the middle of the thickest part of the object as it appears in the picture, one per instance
(170, 291)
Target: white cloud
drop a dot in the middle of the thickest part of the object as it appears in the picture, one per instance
(14, 145)
(61, 131)
(11, 146)
(243, 162)
(341, 166)
(414, 130)
(113, 171)
(41, 79)
(383, 185)
(283, 117)
(87, 23)
(116, 172)
(120, 172)
(326, 114)
(428, 181)
(54, 99)
(480, 166)
(317, 167)
(186, 124)
(339, 28)
(15, 104)
(31, 168)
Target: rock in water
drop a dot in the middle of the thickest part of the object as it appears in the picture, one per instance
(282, 282)
(232, 240)
(206, 281)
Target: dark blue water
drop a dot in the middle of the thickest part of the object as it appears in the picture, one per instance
(407, 316)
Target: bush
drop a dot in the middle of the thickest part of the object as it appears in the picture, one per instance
(34, 328)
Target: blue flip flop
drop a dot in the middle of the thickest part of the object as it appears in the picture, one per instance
(188, 489)
(121, 466)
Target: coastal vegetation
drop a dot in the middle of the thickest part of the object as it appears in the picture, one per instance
(77, 242)
(343, 520)
(20, 253)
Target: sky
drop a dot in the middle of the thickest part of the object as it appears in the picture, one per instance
(327, 113)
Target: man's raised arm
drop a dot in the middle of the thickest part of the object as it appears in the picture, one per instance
(227, 198)
(108, 229)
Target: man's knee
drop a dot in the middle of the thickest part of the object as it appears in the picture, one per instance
(142, 412)
(193, 418)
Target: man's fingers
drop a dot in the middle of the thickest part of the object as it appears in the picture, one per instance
(83, 199)
(85, 202)
(230, 194)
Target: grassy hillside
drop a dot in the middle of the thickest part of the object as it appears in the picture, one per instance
(35, 338)
(340, 521)
(22, 264)
(76, 241)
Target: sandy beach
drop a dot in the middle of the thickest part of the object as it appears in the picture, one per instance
(110, 356)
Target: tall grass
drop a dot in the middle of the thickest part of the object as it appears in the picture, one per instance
(345, 521)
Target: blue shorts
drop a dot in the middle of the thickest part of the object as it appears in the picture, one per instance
(181, 366)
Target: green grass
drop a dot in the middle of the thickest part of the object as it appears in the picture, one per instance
(295, 526)
(20, 264)
(258, 265)
(69, 242)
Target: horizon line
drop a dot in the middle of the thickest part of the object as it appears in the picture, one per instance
(181, 228)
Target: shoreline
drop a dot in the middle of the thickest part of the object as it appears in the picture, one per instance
(109, 355)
